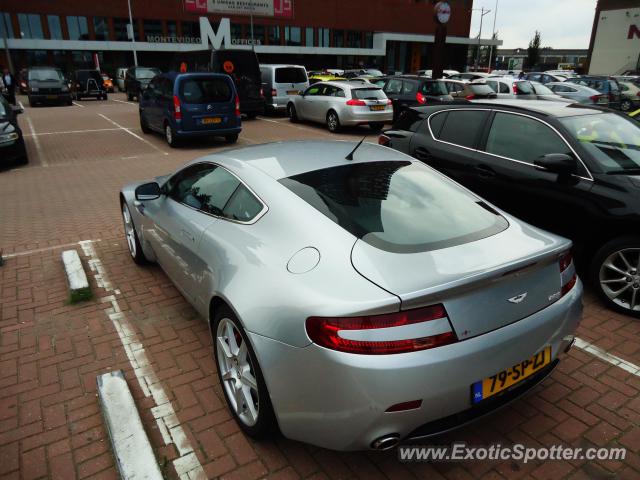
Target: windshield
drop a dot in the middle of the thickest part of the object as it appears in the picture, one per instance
(368, 94)
(434, 88)
(43, 75)
(612, 140)
(291, 75)
(397, 206)
(146, 72)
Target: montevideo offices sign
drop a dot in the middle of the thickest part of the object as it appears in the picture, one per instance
(263, 8)
(218, 39)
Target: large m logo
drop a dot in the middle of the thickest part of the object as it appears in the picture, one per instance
(217, 39)
(633, 32)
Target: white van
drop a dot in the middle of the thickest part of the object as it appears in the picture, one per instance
(121, 73)
(280, 82)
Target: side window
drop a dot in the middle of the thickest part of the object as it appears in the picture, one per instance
(534, 76)
(394, 86)
(409, 87)
(154, 87)
(522, 138)
(205, 187)
(493, 84)
(436, 122)
(242, 206)
(166, 89)
(463, 127)
(504, 88)
(313, 90)
(339, 93)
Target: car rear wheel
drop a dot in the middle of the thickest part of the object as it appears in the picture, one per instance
(615, 271)
(333, 122)
(625, 105)
(252, 115)
(231, 138)
(291, 112)
(170, 135)
(132, 236)
(129, 96)
(240, 376)
(144, 126)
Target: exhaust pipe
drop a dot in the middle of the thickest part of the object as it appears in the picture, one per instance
(386, 442)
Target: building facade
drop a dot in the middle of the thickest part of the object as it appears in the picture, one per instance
(549, 59)
(393, 35)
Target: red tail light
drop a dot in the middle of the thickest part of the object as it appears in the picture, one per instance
(389, 102)
(471, 96)
(568, 277)
(177, 110)
(401, 407)
(372, 334)
(515, 89)
(356, 103)
(383, 140)
(237, 106)
(594, 98)
(261, 92)
(421, 98)
(274, 92)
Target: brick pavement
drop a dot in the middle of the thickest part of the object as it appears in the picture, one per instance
(51, 352)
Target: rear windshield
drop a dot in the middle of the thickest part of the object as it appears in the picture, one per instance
(434, 88)
(205, 90)
(397, 206)
(291, 75)
(524, 88)
(368, 94)
(481, 89)
(238, 64)
(85, 74)
(44, 74)
(146, 72)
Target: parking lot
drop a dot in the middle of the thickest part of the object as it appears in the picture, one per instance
(51, 351)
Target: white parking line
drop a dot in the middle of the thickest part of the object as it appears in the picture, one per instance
(133, 134)
(46, 249)
(289, 124)
(72, 131)
(21, 105)
(123, 101)
(36, 142)
(607, 357)
(186, 464)
(77, 104)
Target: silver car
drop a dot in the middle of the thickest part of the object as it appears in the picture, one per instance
(356, 297)
(578, 93)
(339, 104)
(280, 82)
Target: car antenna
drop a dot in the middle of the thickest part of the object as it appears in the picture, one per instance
(350, 156)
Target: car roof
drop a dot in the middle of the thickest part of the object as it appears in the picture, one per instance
(544, 107)
(351, 84)
(280, 65)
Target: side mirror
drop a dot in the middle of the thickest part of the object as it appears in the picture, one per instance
(559, 163)
(16, 109)
(148, 191)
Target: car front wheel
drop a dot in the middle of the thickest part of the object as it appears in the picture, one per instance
(132, 236)
(625, 106)
(144, 126)
(170, 136)
(615, 271)
(293, 115)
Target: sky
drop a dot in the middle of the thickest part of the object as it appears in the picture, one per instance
(562, 23)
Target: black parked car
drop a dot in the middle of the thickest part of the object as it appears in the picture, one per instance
(569, 168)
(11, 142)
(243, 67)
(137, 79)
(87, 83)
(605, 85)
(412, 90)
(47, 85)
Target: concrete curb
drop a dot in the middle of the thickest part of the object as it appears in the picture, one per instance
(131, 448)
(76, 278)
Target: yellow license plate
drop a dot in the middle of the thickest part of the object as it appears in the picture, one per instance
(292, 92)
(210, 120)
(501, 381)
(377, 107)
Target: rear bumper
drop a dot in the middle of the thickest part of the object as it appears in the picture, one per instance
(338, 400)
(352, 118)
(50, 97)
(221, 132)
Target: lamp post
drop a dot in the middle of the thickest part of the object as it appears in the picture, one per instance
(495, 14)
(5, 30)
(253, 47)
(483, 12)
(133, 36)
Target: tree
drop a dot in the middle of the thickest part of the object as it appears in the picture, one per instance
(533, 52)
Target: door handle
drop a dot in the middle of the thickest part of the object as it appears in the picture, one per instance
(422, 153)
(188, 235)
(484, 171)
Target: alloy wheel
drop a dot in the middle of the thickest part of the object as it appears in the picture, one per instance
(237, 372)
(625, 106)
(332, 121)
(620, 278)
(168, 134)
(129, 230)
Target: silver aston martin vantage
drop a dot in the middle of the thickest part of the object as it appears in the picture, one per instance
(356, 299)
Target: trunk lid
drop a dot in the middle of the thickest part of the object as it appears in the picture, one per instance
(484, 285)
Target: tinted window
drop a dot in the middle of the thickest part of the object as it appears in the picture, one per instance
(480, 89)
(146, 72)
(524, 88)
(408, 87)
(205, 90)
(291, 75)
(44, 74)
(243, 64)
(462, 127)
(504, 88)
(368, 94)
(408, 120)
(522, 138)
(205, 187)
(434, 88)
(394, 86)
(314, 90)
(436, 122)
(396, 206)
(243, 205)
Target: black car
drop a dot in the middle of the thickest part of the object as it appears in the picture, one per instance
(137, 79)
(412, 90)
(605, 85)
(569, 168)
(87, 83)
(12, 149)
(47, 85)
(243, 67)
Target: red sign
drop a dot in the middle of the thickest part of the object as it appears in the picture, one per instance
(283, 8)
(195, 6)
(228, 66)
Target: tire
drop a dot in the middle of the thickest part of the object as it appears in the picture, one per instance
(69, 103)
(333, 122)
(251, 115)
(105, 97)
(292, 113)
(376, 126)
(232, 352)
(621, 291)
(170, 135)
(129, 96)
(625, 105)
(135, 249)
(231, 138)
(143, 125)
(23, 160)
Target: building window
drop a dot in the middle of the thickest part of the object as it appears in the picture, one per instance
(274, 35)
(78, 28)
(172, 28)
(308, 36)
(120, 29)
(258, 34)
(236, 31)
(190, 29)
(30, 25)
(354, 39)
(82, 59)
(292, 36)
(5, 23)
(36, 58)
(152, 28)
(55, 30)
(101, 28)
(368, 40)
(338, 39)
(323, 37)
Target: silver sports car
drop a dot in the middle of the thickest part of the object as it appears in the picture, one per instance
(356, 298)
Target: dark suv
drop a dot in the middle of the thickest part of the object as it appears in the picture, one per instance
(605, 85)
(137, 79)
(412, 90)
(88, 83)
(47, 85)
(569, 168)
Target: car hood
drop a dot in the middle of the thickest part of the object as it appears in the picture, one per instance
(46, 83)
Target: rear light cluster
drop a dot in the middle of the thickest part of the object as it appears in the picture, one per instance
(595, 98)
(401, 332)
(177, 109)
(356, 103)
(471, 96)
(274, 92)
(515, 89)
(421, 98)
(568, 277)
(261, 92)
(237, 106)
(384, 140)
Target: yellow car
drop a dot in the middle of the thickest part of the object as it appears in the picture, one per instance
(107, 83)
(324, 77)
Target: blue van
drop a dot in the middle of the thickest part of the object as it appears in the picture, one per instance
(181, 105)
